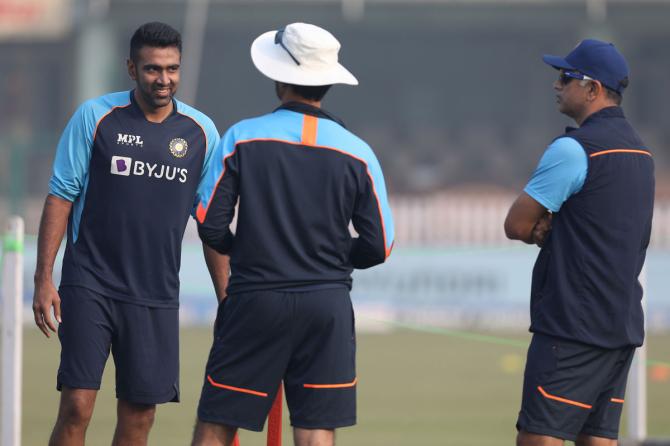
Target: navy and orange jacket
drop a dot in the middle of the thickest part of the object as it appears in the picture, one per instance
(301, 178)
(585, 281)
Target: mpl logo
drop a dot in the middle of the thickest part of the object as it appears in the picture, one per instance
(121, 165)
(129, 140)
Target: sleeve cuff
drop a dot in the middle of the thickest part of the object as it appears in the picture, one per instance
(548, 204)
(64, 196)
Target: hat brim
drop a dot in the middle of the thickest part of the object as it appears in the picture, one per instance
(274, 62)
(557, 62)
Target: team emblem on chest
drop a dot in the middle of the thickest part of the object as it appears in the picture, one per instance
(178, 147)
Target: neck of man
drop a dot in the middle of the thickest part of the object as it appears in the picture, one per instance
(153, 114)
(289, 96)
(591, 108)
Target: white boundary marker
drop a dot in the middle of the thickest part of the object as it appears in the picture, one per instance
(11, 301)
(636, 400)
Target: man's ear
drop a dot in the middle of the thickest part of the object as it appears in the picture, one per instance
(595, 90)
(132, 69)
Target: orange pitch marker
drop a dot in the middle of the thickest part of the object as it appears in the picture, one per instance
(274, 421)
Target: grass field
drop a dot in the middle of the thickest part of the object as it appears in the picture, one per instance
(414, 389)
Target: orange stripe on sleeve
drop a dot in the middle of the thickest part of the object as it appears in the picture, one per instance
(235, 389)
(309, 129)
(331, 386)
(616, 400)
(605, 152)
(562, 400)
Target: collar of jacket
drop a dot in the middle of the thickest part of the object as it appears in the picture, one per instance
(604, 113)
(306, 109)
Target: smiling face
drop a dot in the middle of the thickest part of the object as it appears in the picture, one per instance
(156, 72)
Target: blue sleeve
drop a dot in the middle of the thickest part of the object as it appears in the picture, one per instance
(217, 196)
(372, 219)
(213, 172)
(211, 138)
(73, 155)
(559, 175)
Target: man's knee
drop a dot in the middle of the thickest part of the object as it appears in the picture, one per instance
(76, 407)
(136, 416)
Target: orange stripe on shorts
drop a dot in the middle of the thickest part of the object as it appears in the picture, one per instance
(331, 386)
(235, 389)
(562, 400)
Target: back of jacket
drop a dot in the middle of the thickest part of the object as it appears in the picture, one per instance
(301, 178)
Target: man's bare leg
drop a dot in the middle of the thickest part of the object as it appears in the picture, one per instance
(212, 434)
(528, 439)
(133, 423)
(588, 440)
(74, 414)
(313, 437)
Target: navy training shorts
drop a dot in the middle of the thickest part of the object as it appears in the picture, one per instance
(572, 388)
(304, 338)
(143, 340)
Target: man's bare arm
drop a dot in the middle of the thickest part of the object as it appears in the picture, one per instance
(219, 269)
(527, 220)
(52, 229)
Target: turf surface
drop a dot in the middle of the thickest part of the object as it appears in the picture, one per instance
(414, 389)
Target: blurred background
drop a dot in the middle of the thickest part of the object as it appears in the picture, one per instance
(458, 106)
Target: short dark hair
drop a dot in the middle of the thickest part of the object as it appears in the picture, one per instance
(613, 96)
(313, 93)
(154, 34)
(616, 96)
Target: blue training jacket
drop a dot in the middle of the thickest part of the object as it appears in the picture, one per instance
(301, 178)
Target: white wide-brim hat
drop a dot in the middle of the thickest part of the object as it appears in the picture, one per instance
(303, 54)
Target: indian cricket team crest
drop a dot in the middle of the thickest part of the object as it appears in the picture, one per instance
(178, 147)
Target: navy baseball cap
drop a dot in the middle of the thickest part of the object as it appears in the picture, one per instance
(596, 59)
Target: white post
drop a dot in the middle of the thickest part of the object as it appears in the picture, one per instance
(195, 25)
(636, 400)
(12, 332)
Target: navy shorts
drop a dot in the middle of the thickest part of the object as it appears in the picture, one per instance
(143, 340)
(305, 339)
(572, 388)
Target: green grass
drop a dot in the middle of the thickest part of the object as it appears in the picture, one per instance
(414, 389)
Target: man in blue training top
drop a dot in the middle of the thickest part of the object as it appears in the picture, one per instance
(301, 177)
(124, 180)
(589, 206)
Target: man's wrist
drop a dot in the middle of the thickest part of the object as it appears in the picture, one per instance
(43, 277)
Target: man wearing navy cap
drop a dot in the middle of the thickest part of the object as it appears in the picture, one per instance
(588, 205)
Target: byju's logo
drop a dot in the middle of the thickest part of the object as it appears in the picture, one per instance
(129, 140)
(125, 166)
(121, 165)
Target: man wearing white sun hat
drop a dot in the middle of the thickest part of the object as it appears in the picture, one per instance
(301, 177)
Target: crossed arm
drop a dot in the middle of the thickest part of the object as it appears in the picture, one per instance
(528, 221)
